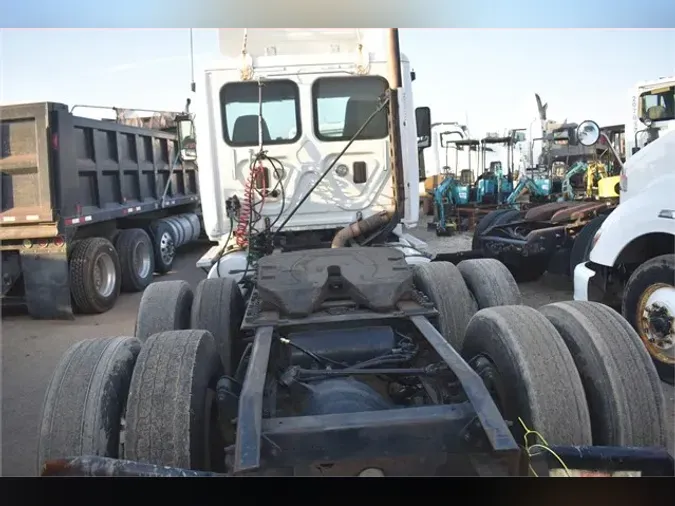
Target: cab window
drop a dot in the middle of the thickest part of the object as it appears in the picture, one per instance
(343, 104)
(658, 105)
(240, 105)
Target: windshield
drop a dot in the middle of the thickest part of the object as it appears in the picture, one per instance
(343, 104)
(280, 111)
(658, 104)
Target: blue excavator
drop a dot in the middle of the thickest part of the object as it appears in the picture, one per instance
(535, 184)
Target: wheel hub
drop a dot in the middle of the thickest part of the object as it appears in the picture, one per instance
(656, 321)
(487, 371)
(167, 248)
(141, 259)
(104, 275)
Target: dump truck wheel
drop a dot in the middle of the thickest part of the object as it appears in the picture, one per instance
(165, 305)
(171, 409)
(137, 260)
(581, 248)
(164, 245)
(219, 308)
(528, 369)
(195, 226)
(443, 284)
(623, 390)
(649, 306)
(490, 282)
(94, 275)
(86, 398)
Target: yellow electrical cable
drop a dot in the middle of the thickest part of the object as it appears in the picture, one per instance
(543, 446)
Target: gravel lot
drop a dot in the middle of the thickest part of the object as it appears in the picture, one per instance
(31, 349)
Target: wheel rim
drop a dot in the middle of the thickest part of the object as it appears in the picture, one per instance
(656, 321)
(141, 259)
(166, 248)
(492, 379)
(104, 275)
(486, 369)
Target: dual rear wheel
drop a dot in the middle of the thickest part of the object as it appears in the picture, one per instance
(576, 372)
(100, 269)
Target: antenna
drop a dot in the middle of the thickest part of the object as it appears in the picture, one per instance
(192, 64)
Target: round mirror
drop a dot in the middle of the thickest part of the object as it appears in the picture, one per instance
(588, 133)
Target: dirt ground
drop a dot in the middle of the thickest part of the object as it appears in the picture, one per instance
(31, 349)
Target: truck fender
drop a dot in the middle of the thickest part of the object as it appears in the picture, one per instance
(638, 217)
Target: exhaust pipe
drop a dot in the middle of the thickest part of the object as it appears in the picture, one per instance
(362, 227)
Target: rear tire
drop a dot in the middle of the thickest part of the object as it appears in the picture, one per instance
(164, 245)
(530, 372)
(186, 228)
(219, 308)
(195, 225)
(179, 234)
(85, 400)
(94, 275)
(443, 284)
(165, 306)
(490, 282)
(623, 390)
(659, 272)
(171, 406)
(137, 262)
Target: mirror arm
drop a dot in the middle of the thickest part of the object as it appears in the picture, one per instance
(611, 147)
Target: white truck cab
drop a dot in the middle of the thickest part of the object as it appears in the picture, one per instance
(632, 261)
(306, 93)
(652, 113)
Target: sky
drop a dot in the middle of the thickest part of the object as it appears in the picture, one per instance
(486, 76)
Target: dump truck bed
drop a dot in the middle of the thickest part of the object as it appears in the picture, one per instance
(59, 170)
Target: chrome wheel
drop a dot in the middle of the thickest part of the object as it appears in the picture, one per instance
(167, 249)
(141, 259)
(656, 321)
(104, 275)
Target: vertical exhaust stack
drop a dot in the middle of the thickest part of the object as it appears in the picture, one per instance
(396, 155)
(382, 218)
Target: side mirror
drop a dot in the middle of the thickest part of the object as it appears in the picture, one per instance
(413, 76)
(186, 138)
(588, 133)
(423, 122)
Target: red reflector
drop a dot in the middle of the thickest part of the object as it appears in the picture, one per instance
(55, 141)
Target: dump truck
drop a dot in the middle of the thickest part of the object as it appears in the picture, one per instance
(323, 342)
(91, 207)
